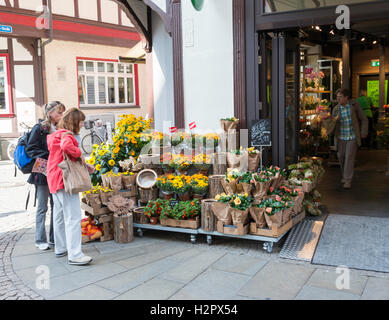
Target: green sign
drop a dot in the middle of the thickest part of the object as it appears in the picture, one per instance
(373, 91)
(198, 4)
(375, 63)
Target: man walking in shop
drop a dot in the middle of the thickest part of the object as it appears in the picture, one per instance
(366, 104)
(346, 119)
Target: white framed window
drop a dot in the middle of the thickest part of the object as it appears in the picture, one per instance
(6, 108)
(105, 83)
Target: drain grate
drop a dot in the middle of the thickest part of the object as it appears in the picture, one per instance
(302, 241)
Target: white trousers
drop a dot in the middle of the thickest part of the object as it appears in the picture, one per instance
(67, 224)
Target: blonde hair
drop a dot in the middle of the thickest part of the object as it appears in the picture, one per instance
(48, 108)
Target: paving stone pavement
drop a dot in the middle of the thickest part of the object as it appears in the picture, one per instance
(161, 265)
(14, 222)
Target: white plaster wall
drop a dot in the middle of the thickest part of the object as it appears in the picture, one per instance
(88, 9)
(125, 20)
(26, 114)
(208, 63)
(5, 125)
(3, 43)
(63, 54)
(162, 74)
(62, 7)
(24, 81)
(109, 12)
(30, 4)
(20, 52)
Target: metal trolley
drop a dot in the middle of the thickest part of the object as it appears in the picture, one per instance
(268, 241)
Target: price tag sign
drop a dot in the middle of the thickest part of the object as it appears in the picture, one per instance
(173, 202)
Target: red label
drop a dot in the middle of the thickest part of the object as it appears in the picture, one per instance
(192, 125)
(173, 129)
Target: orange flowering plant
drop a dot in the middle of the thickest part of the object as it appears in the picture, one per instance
(183, 210)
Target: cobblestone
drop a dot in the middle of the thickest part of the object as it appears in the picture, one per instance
(12, 228)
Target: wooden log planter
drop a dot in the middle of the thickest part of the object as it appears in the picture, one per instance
(215, 185)
(208, 219)
(146, 195)
(123, 228)
(139, 215)
(219, 163)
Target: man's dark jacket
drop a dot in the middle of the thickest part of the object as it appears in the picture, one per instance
(37, 148)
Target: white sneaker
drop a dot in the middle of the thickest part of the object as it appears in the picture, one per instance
(42, 246)
(81, 261)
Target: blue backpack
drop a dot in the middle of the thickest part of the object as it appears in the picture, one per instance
(22, 161)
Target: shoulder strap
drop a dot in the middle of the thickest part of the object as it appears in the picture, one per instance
(66, 133)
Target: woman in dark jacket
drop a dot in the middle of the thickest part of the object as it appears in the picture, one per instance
(37, 148)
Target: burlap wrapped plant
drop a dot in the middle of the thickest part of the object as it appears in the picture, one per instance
(129, 180)
(239, 216)
(116, 182)
(229, 124)
(261, 186)
(258, 214)
(222, 212)
(273, 218)
(93, 199)
(120, 205)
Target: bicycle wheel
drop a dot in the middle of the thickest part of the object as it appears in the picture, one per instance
(10, 150)
(88, 141)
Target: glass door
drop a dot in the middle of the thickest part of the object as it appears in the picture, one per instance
(279, 89)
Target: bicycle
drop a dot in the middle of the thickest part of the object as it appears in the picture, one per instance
(14, 142)
(94, 137)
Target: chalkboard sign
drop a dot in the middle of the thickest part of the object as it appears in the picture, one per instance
(173, 202)
(261, 133)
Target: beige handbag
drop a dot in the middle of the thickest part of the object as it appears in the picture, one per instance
(75, 174)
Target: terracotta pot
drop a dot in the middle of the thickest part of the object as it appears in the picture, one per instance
(167, 196)
(153, 220)
(184, 196)
(168, 171)
(203, 172)
(198, 196)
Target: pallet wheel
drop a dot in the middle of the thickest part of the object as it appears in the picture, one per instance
(268, 246)
(209, 240)
(193, 238)
(140, 232)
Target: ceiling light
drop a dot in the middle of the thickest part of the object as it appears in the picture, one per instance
(375, 42)
(363, 39)
(332, 32)
(317, 28)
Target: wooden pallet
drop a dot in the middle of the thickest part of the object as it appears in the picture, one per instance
(276, 232)
(239, 230)
(94, 210)
(187, 224)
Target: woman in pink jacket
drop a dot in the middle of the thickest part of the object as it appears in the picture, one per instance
(67, 210)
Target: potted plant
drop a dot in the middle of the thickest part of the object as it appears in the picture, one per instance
(199, 184)
(182, 186)
(186, 210)
(181, 163)
(164, 183)
(244, 183)
(210, 141)
(202, 163)
(154, 209)
(240, 204)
